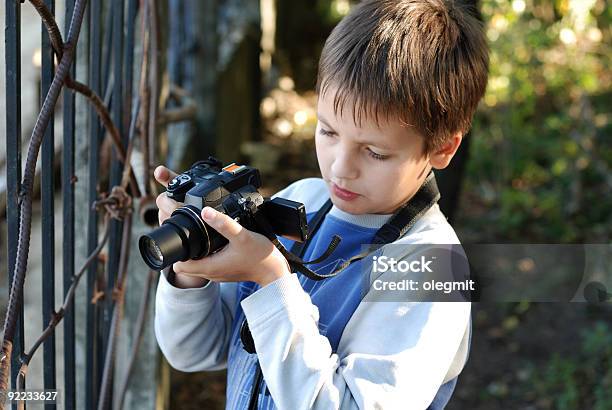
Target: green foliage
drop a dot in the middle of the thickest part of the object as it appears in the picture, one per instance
(583, 380)
(541, 153)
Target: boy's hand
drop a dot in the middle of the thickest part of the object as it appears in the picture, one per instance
(166, 206)
(248, 256)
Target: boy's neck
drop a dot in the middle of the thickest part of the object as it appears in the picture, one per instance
(374, 221)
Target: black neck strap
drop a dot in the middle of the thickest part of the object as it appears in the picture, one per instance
(403, 219)
(299, 248)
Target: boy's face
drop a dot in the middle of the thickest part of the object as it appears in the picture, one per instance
(368, 169)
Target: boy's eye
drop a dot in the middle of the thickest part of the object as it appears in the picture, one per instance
(376, 155)
(326, 132)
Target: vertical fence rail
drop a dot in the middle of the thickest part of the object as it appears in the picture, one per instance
(47, 210)
(106, 85)
(68, 257)
(13, 160)
(117, 102)
(129, 64)
(91, 366)
(106, 48)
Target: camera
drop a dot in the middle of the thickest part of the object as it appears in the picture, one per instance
(231, 190)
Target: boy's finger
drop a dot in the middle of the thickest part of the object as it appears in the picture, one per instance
(202, 267)
(164, 175)
(162, 216)
(188, 268)
(166, 204)
(222, 223)
(205, 267)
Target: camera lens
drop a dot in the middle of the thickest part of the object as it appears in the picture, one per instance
(181, 237)
(153, 251)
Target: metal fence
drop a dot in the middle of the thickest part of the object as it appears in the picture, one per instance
(122, 88)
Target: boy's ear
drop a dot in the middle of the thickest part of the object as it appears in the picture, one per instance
(440, 158)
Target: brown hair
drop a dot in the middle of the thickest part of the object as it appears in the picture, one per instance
(424, 62)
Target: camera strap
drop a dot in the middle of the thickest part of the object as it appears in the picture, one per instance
(403, 219)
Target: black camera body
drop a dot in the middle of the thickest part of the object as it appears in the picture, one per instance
(232, 190)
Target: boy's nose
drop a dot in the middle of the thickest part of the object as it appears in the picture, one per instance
(343, 166)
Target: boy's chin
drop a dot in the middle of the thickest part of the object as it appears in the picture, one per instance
(357, 207)
(350, 207)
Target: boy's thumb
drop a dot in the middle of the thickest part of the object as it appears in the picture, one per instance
(163, 175)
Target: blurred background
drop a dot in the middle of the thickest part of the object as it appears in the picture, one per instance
(536, 167)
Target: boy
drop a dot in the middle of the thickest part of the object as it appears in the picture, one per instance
(398, 84)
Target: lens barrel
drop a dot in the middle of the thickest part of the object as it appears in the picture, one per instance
(181, 237)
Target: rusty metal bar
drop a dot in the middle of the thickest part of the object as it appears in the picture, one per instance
(12, 60)
(68, 257)
(47, 209)
(91, 365)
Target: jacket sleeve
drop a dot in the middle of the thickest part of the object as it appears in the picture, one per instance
(391, 355)
(193, 326)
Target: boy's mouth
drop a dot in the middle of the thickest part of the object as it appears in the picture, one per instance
(343, 193)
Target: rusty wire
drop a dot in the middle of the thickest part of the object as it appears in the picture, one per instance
(145, 100)
(25, 195)
(57, 316)
(56, 41)
(154, 80)
(117, 204)
(119, 297)
(187, 109)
